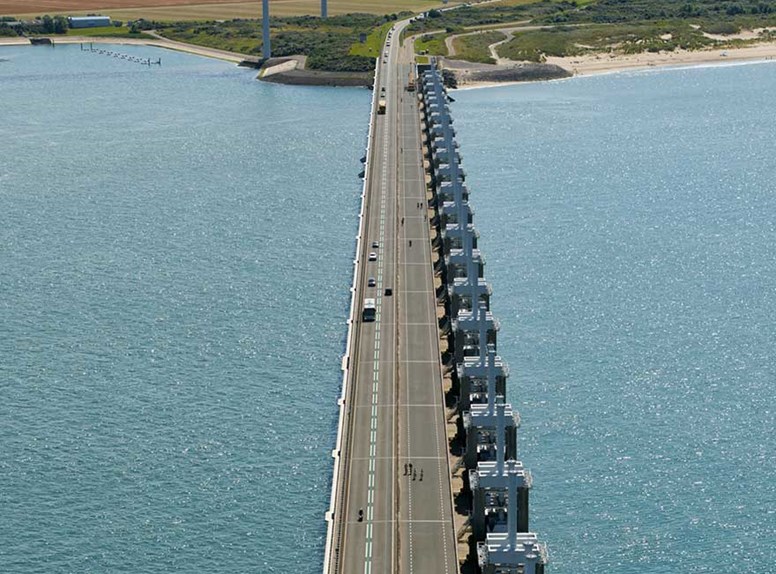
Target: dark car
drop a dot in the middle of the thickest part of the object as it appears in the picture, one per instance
(371, 282)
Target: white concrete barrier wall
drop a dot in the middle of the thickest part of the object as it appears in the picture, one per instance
(354, 310)
(286, 66)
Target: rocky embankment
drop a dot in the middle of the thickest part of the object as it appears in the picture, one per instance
(458, 73)
(318, 78)
(292, 71)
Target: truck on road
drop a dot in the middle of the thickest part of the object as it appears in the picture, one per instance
(381, 107)
(370, 310)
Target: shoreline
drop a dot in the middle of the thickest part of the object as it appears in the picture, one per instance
(294, 75)
(154, 42)
(577, 66)
(602, 64)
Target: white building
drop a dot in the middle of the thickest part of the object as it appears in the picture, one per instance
(88, 21)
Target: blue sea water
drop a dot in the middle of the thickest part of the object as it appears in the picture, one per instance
(175, 251)
(175, 258)
(629, 225)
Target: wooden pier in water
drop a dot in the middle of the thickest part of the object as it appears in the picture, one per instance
(145, 61)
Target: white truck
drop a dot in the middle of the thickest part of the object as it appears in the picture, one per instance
(370, 310)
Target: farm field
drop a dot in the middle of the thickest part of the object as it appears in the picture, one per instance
(176, 10)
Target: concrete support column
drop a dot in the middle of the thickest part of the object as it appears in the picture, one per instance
(464, 403)
(266, 48)
(470, 454)
(478, 513)
(500, 438)
(522, 509)
(491, 358)
(512, 511)
(510, 440)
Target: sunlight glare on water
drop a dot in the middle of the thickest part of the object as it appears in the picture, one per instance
(628, 222)
(176, 250)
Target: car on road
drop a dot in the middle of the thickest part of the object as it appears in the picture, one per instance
(371, 282)
(375, 244)
(373, 256)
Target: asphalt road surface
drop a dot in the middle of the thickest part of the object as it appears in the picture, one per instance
(394, 415)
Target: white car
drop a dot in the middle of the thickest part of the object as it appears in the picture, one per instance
(373, 256)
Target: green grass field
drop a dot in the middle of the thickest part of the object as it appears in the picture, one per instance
(433, 44)
(106, 32)
(474, 47)
(374, 42)
(331, 44)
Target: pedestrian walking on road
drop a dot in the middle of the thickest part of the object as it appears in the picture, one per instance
(421, 475)
(405, 469)
(414, 474)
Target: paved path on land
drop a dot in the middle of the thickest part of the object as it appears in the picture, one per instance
(395, 411)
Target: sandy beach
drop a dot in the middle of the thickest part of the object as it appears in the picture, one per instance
(606, 63)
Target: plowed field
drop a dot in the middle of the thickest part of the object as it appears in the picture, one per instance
(205, 10)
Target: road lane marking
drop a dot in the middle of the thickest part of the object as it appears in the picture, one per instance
(439, 413)
(376, 362)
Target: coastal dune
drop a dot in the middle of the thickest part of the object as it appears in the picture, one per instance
(605, 63)
(470, 75)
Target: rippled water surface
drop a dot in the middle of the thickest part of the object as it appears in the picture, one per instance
(629, 224)
(175, 258)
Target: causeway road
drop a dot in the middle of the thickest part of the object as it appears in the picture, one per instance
(394, 413)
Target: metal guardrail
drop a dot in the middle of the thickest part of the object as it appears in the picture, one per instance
(331, 553)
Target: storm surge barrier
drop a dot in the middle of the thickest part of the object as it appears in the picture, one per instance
(494, 481)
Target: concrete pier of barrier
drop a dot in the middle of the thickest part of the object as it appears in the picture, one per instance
(498, 484)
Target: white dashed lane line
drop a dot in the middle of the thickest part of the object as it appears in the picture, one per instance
(376, 368)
